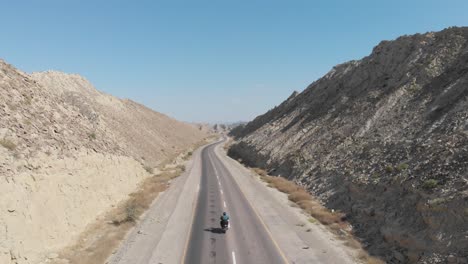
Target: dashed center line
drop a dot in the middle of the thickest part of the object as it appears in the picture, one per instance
(221, 191)
(233, 257)
(224, 204)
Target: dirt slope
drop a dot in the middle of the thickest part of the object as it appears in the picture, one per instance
(385, 140)
(69, 153)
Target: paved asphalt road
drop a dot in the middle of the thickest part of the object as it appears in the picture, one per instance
(247, 241)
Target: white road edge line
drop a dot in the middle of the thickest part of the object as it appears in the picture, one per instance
(233, 257)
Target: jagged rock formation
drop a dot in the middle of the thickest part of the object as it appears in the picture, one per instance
(68, 153)
(385, 140)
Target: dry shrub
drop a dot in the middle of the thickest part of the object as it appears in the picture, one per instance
(281, 184)
(353, 244)
(335, 220)
(260, 172)
(309, 205)
(299, 195)
(302, 198)
(366, 258)
(228, 144)
(106, 237)
(149, 169)
(103, 236)
(284, 186)
(374, 260)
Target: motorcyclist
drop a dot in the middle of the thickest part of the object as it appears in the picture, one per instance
(224, 220)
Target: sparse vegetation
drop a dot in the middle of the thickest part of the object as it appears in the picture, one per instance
(366, 258)
(92, 136)
(402, 167)
(437, 201)
(389, 169)
(28, 100)
(228, 144)
(121, 219)
(130, 214)
(8, 144)
(131, 211)
(413, 88)
(141, 200)
(149, 169)
(299, 195)
(181, 168)
(430, 184)
(188, 155)
(260, 171)
(336, 221)
(302, 198)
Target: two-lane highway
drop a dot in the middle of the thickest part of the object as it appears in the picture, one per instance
(247, 241)
(182, 225)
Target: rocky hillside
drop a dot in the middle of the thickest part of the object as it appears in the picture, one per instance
(384, 139)
(69, 153)
(135, 129)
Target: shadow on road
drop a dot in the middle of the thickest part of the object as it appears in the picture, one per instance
(214, 230)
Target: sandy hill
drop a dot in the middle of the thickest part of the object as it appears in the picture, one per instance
(68, 153)
(385, 140)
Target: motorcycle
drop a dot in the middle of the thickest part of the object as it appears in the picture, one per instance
(224, 226)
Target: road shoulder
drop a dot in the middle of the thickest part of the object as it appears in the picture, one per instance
(162, 232)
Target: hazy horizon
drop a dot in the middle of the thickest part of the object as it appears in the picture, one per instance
(208, 61)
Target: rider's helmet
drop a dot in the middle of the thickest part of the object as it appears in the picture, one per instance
(224, 213)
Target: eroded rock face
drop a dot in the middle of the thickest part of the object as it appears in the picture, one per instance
(383, 139)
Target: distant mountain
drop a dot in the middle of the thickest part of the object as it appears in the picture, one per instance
(385, 140)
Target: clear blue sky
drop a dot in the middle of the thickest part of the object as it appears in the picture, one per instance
(208, 60)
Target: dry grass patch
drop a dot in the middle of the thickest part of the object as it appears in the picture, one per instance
(301, 197)
(97, 243)
(368, 259)
(279, 183)
(335, 220)
(322, 214)
(188, 155)
(141, 200)
(228, 144)
(260, 172)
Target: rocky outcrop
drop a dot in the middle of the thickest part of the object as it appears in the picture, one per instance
(385, 140)
(68, 154)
